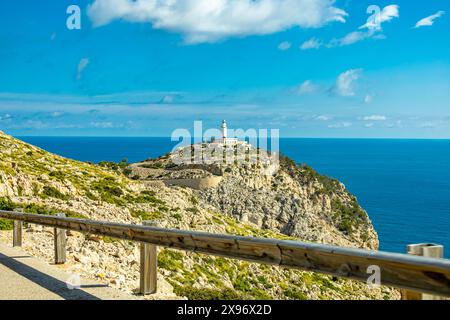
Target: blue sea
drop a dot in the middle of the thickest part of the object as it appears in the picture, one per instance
(404, 185)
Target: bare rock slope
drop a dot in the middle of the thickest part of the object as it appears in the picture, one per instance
(293, 199)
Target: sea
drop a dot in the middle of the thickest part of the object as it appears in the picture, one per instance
(404, 185)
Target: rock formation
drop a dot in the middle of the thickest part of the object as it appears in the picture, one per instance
(294, 203)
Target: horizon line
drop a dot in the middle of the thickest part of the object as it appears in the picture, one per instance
(286, 137)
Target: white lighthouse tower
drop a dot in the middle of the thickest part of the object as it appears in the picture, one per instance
(224, 140)
(224, 130)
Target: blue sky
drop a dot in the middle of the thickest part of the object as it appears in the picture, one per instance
(311, 68)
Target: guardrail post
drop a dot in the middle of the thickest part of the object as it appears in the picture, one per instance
(149, 265)
(60, 243)
(17, 232)
(429, 250)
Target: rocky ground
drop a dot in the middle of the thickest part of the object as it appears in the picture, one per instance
(295, 203)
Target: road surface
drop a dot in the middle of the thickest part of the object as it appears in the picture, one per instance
(23, 277)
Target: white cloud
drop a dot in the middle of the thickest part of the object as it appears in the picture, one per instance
(373, 27)
(306, 87)
(312, 43)
(428, 125)
(81, 66)
(375, 117)
(212, 20)
(345, 83)
(5, 116)
(168, 99)
(369, 125)
(102, 125)
(285, 45)
(377, 19)
(340, 125)
(56, 114)
(350, 38)
(368, 98)
(323, 118)
(428, 21)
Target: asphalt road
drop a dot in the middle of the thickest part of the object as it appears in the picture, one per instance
(23, 277)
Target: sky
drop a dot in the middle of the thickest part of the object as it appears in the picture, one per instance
(310, 68)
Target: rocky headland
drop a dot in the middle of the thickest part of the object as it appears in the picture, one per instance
(293, 202)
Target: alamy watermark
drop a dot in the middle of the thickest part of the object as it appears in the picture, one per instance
(74, 282)
(258, 148)
(375, 20)
(374, 280)
(73, 21)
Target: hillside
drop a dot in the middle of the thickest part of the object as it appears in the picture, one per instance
(296, 203)
(291, 199)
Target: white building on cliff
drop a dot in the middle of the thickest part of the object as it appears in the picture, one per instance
(225, 140)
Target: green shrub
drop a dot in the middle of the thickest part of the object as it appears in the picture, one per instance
(177, 216)
(54, 193)
(7, 205)
(114, 166)
(208, 294)
(107, 239)
(329, 185)
(171, 166)
(147, 196)
(194, 200)
(170, 260)
(348, 216)
(295, 294)
(38, 209)
(123, 163)
(156, 165)
(75, 215)
(6, 224)
(109, 165)
(163, 209)
(109, 190)
(90, 195)
(144, 215)
(42, 210)
(59, 175)
(127, 172)
(193, 210)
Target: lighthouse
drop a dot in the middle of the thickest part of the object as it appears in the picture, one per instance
(225, 140)
(224, 130)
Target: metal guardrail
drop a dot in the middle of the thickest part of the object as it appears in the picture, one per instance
(428, 275)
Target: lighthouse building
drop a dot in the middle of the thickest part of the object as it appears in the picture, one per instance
(225, 140)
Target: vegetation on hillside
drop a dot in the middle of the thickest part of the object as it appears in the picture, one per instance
(8, 205)
(57, 181)
(348, 216)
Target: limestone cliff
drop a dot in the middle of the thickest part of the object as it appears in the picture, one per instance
(292, 203)
(293, 200)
